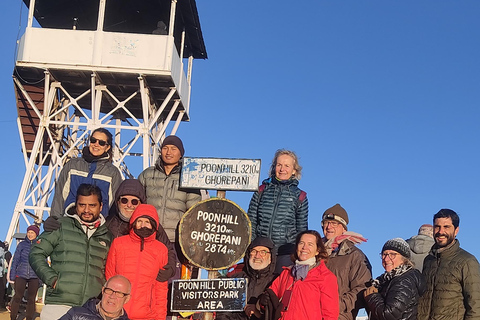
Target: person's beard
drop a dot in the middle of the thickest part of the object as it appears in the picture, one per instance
(449, 239)
(257, 265)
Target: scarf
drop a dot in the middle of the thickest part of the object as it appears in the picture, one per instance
(122, 217)
(87, 156)
(143, 233)
(333, 244)
(301, 268)
(385, 278)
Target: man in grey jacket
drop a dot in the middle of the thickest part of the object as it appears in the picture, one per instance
(162, 186)
(420, 245)
(452, 274)
(346, 261)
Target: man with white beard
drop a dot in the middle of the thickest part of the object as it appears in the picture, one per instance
(258, 269)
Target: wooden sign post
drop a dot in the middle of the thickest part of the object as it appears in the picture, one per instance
(214, 234)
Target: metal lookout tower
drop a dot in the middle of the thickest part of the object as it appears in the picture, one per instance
(123, 65)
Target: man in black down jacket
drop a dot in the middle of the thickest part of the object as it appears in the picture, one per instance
(259, 269)
(115, 294)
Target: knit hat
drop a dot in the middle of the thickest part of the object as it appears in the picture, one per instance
(399, 245)
(174, 140)
(426, 230)
(34, 228)
(336, 213)
(131, 187)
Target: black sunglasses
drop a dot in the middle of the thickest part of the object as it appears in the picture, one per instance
(102, 143)
(133, 201)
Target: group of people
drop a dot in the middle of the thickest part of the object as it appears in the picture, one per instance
(426, 277)
(107, 236)
(118, 239)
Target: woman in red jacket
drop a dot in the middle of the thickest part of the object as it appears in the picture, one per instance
(139, 256)
(307, 290)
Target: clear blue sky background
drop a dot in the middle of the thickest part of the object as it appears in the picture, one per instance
(380, 99)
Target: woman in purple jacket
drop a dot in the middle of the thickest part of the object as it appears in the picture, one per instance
(22, 273)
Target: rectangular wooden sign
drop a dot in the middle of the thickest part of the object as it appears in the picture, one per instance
(220, 174)
(209, 295)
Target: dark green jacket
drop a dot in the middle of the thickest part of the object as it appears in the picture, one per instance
(453, 285)
(78, 262)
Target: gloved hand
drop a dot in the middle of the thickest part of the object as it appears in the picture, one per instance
(369, 291)
(164, 275)
(51, 224)
(263, 300)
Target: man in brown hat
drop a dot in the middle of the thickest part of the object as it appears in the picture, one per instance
(346, 261)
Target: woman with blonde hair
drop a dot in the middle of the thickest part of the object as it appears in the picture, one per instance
(279, 209)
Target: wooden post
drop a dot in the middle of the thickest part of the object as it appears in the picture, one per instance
(212, 274)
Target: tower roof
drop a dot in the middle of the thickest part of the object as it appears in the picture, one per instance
(127, 16)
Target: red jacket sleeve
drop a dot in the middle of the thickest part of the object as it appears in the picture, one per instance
(111, 261)
(329, 302)
(161, 288)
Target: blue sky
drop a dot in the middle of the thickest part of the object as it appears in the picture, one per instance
(380, 99)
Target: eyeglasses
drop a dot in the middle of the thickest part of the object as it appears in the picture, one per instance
(118, 294)
(332, 223)
(102, 143)
(134, 202)
(391, 255)
(262, 253)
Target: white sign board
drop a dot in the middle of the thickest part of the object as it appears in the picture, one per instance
(220, 174)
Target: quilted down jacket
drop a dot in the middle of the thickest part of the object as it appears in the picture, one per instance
(279, 213)
(398, 299)
(141, 265)
(453, 285)
(20, 265)
(164, 193)
(78, 262)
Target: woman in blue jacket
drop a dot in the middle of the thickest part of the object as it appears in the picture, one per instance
(23, 274)
(279, 209)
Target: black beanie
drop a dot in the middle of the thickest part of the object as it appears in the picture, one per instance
(175, 141)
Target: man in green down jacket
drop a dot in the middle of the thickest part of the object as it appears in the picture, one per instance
(453, 275)
(78, 251)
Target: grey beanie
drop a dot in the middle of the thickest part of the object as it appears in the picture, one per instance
(399, 245)
(131, 187)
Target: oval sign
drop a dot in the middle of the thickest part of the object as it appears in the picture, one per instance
(214, 234)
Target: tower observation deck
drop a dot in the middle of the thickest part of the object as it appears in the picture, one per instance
(82, 64)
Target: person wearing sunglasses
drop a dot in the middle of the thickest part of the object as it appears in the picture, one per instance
(139, 256)
(115, 293)
(395, 293)
(258, 268)
(130, 194)
(93, 167)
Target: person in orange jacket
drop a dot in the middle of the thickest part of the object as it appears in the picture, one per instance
(139, 256)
